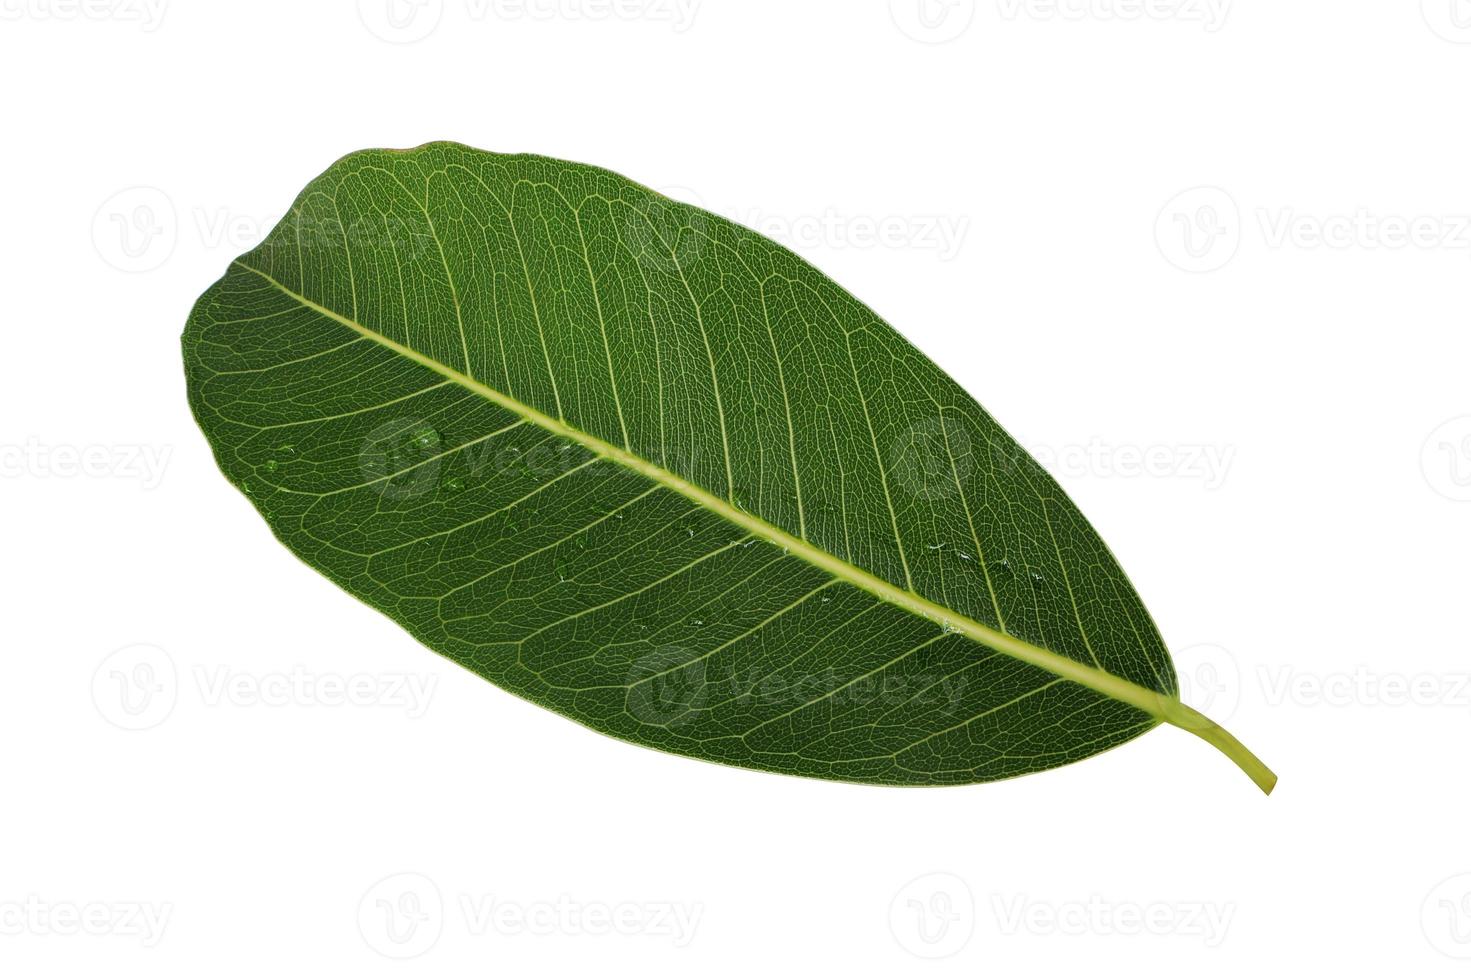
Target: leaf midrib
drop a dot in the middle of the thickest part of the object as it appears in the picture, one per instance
(1161, 707)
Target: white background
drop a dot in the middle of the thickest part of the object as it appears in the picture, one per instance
(1209, 260)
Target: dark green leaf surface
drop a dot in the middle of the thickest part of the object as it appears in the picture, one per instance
(654, 472)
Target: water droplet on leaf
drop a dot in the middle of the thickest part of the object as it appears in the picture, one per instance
(424, 437)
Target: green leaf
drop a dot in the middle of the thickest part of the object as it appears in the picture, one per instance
(650, 470)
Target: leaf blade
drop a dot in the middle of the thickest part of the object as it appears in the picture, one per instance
(1094, 696)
